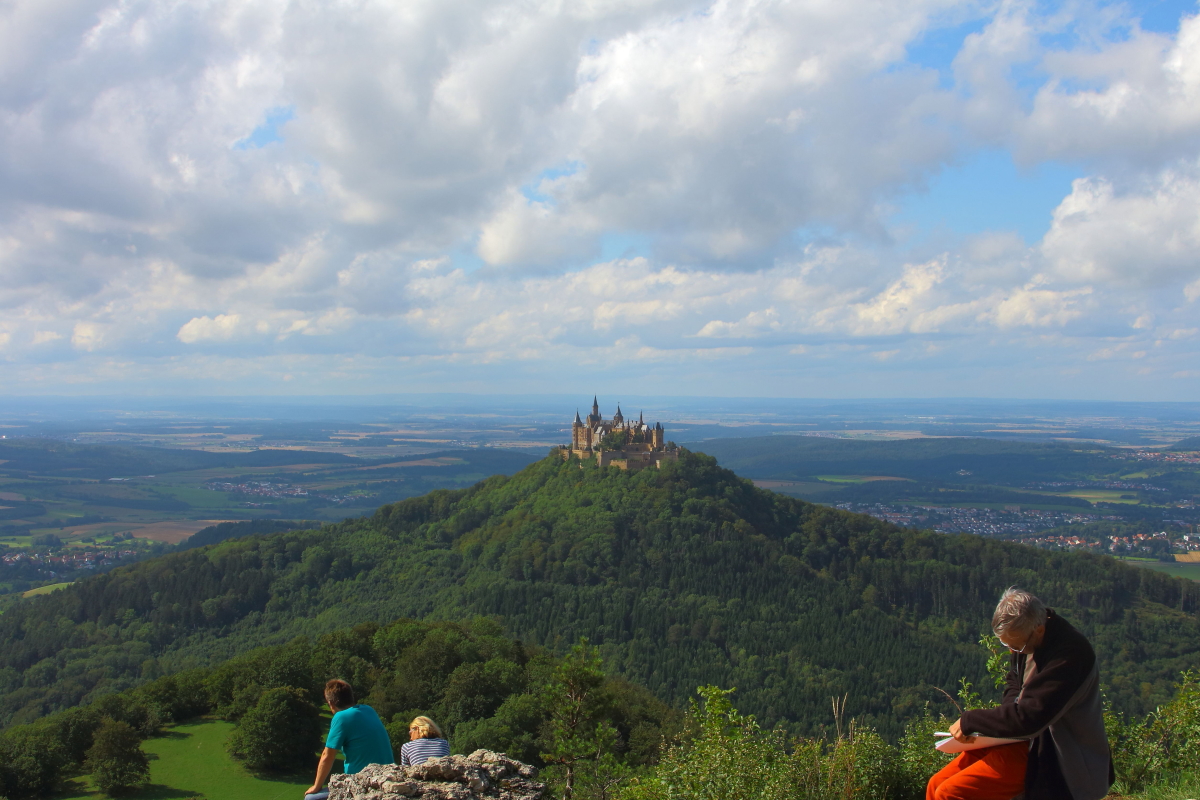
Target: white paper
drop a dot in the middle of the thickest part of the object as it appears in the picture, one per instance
(952, 745)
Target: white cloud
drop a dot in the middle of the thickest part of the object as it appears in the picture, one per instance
(88, 336)
(219, 328)
(451, 173)
(1148, 235)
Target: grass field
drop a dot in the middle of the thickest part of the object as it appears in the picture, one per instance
(47, 589)
(1094, 495)
(858, 478)
(788, 487)
(190, 761)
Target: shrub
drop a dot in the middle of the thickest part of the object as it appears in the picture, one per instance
(281, 732)
(116, 760)
(724, 755)
(1163, 746)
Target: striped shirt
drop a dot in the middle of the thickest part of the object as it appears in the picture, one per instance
(418, 751)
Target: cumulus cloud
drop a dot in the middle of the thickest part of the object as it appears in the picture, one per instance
(221, 327)
(1148, 236)
(440, 183)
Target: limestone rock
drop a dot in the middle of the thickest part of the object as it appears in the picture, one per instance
(483, 774)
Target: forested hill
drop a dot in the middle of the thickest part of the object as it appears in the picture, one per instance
(684, 576)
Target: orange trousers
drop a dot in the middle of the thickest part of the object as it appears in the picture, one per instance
(993, 773)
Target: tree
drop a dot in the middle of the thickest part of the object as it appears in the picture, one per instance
(579, 729)
(614, 440)
(116, 760)
(31, 760)
(282, 732)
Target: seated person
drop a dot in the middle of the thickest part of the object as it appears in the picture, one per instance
(1051, 700)
(356, 730)
(425, 742)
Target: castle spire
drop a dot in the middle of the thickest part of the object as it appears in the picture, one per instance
(595, 406)
(578, 421)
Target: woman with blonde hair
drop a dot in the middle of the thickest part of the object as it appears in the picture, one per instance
(426, 742)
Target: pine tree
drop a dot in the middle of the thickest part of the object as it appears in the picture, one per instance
(579, 729)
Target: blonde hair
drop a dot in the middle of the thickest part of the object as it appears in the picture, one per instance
(426, 727)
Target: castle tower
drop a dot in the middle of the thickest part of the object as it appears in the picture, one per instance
(618, 418)
(578, 433)
(656, 436)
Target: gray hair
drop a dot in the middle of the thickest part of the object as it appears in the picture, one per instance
(1019, 611)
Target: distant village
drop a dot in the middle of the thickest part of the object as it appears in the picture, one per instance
(1017, 523)
(1165, 456)
(54, 566)
(276, 491)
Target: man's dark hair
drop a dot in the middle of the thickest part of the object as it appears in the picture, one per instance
(339, 694)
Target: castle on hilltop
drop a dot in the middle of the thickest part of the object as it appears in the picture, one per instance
(618, 442)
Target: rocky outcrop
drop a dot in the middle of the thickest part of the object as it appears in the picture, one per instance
(483, 774)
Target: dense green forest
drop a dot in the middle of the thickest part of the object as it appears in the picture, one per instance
(683, 576)
(236, 530)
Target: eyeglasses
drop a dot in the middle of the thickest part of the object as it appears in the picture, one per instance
(1014, 650)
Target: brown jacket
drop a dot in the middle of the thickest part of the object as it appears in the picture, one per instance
(1052, 698)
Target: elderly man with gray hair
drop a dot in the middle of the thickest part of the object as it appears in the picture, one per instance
(1052, 700)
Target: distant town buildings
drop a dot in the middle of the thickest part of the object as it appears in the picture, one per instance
(279, 491)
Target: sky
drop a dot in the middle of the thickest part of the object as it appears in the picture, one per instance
(820, 198)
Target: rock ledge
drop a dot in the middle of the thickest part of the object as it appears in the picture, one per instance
(483, 774)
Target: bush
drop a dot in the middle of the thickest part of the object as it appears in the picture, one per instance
(282, 732)
(1163, 746)
(116, 760)
(724, 755)
(919, 760)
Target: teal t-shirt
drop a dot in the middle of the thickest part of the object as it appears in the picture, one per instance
(360, 735)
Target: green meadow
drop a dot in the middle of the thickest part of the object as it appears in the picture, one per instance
(189, 761)
(858, 478)
(47, 589)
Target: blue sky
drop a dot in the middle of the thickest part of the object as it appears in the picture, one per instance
(769, 199)
(986, 191)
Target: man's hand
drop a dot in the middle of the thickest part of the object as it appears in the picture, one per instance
(957, 732)
(311, 790)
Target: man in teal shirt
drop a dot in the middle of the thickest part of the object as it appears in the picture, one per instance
(356, 731)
